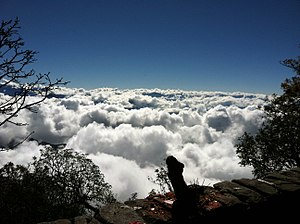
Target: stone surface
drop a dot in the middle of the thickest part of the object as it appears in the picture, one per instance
(259, 186)
(270, 199)
(119, 213)
(283, 185)
(244, 194)
(281, 176)
(59, 221)
(81, 220)
(95, 221)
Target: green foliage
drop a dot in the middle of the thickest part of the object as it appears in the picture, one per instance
(75, 177)
(22, 199)
(162, 179)
(276, 146)
(60, 183)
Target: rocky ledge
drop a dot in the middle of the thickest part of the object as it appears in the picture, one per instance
(272, 198)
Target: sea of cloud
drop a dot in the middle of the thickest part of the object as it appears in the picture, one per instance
(129, 133)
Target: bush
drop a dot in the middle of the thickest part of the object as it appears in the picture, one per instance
(276, 146)
(61, 183)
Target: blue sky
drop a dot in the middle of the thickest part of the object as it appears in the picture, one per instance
(169, 44)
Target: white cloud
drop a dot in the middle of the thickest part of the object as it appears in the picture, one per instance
(125, 176)
(10, 135)
(22, 154)
(52, 123)
(128, 133)
(218, 118)
(146, 145)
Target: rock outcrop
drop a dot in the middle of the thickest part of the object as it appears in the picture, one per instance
(272, 198)
(184, 208)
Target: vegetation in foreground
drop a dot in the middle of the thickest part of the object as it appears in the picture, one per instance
(61, 183)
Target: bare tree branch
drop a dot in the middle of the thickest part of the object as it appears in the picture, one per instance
(14, 74)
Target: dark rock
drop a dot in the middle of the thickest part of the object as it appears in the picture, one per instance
(95, 221)
(154, 209)
(59, 221)
(267, 189)
(184, 208)
(242, 193)
(283, 185)
(281, 176)
(81, 220)
(118, 213)
(271, 199)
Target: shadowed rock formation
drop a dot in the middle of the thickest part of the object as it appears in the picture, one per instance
(271, 199)
(184, 208)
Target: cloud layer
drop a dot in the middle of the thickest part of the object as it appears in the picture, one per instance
(129, 133)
